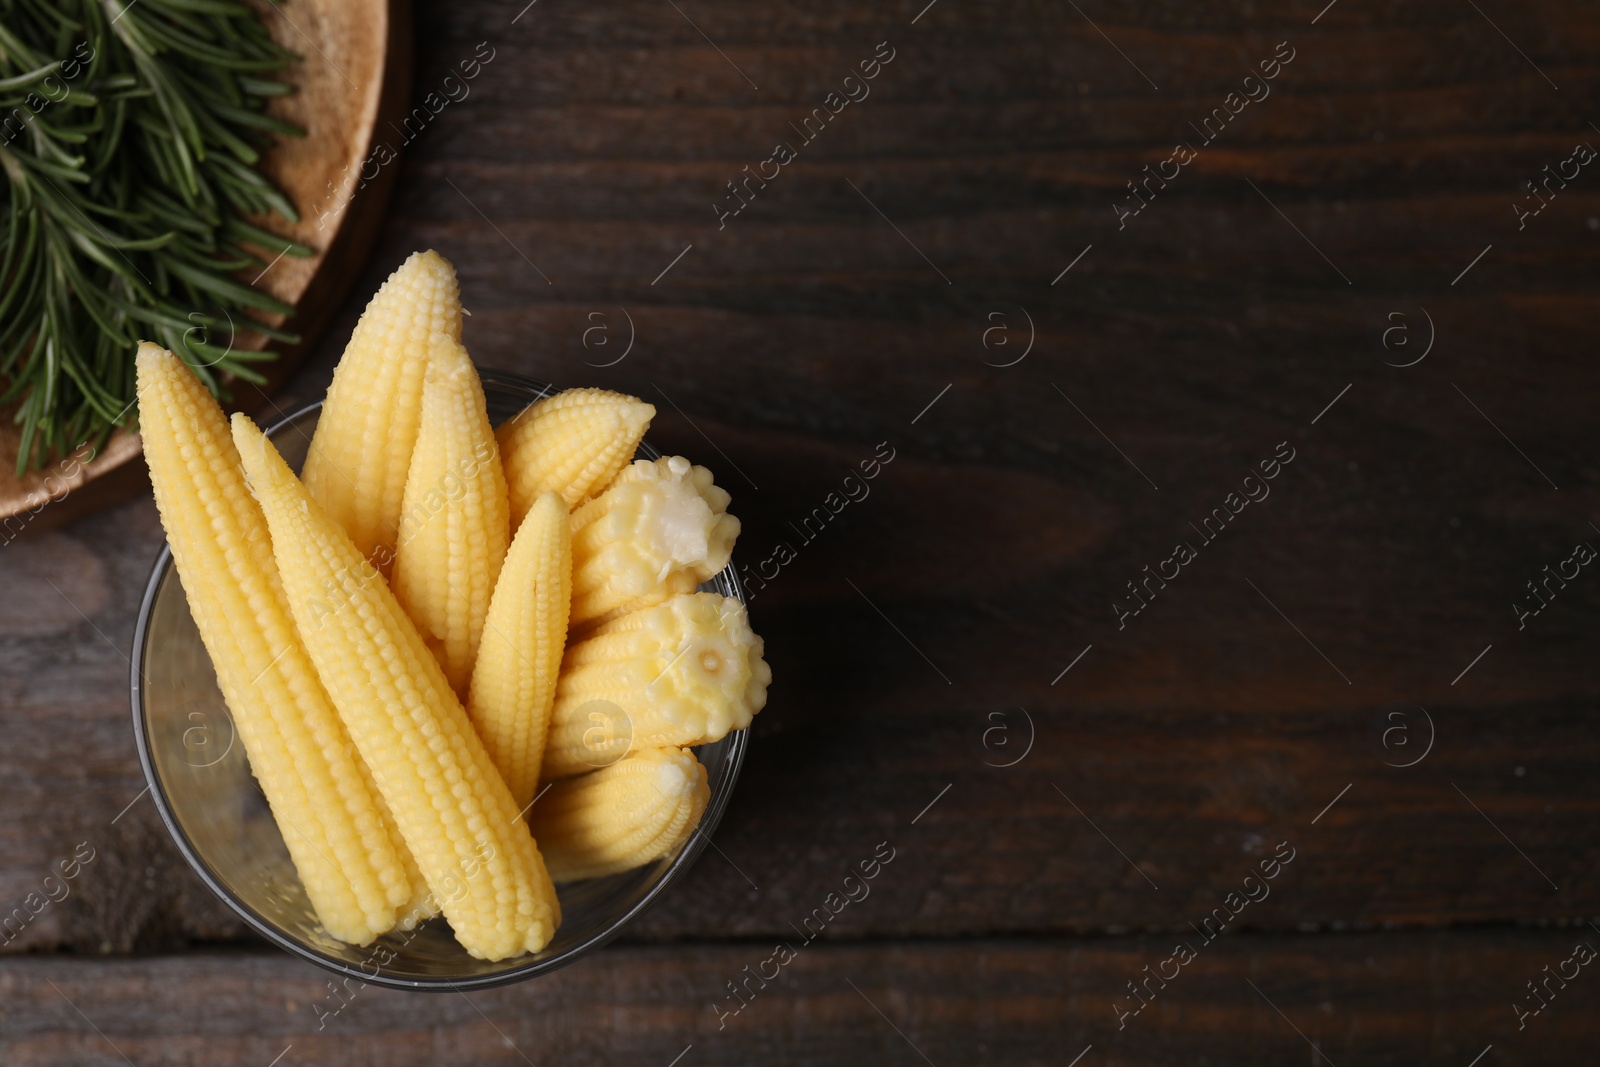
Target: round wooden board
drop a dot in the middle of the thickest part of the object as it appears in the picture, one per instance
(353, 79)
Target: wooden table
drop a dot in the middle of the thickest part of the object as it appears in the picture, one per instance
(1073, 772)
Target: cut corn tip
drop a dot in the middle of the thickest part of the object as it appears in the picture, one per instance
(361, 450)
(453, 810)
(661, 528)
(455, 522)
(350, 856)
(573, 443)
(684, 672)
(622, 816)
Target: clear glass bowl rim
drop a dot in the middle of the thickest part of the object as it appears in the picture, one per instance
(733, 761)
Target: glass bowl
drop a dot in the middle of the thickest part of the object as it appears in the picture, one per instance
(202, 786)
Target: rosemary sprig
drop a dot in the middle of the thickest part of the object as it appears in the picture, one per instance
(129, 134)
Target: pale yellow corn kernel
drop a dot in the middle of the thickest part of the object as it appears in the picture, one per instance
(514, 679)
(420, 905)
(662, 527)
(622, 816)
(684, 672)
(452, 807)
(676, 584)
(346, 848)
(455, 524)
(572, 443)
(361, 450)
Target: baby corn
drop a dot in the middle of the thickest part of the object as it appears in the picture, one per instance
(348, 852)
(450, 803)
(684, 672)
(455, 524)
(356, 468)
(661, 528)
(622, 816)
(514, 679)
(573, 443)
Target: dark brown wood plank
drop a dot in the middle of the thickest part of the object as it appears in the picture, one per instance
(1192, 788)
(1394, 999)
(1196, 339)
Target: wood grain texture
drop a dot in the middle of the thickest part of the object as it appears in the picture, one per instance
(947, 605)
(1375, 999)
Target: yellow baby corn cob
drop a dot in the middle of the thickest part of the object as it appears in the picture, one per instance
(661, 528)
(573, 443)
(420, 906)
(350, 856)
(514, 679)
(677, 583)
(455, 523)
(684, 672)
(356, 468)
(451, 805)
(621, 816)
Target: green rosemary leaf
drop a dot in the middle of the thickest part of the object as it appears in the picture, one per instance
(243, 117)
(245, 355)
(210, 7)
(23, 80)
(224, 287)
(158, 206)
(242, 371)
(262, 87)
(14, 51)
(171, 36)
(131, 206)
(49, 168)
(264, 191)
(271, 333)
(238, 228)
(158, 317)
